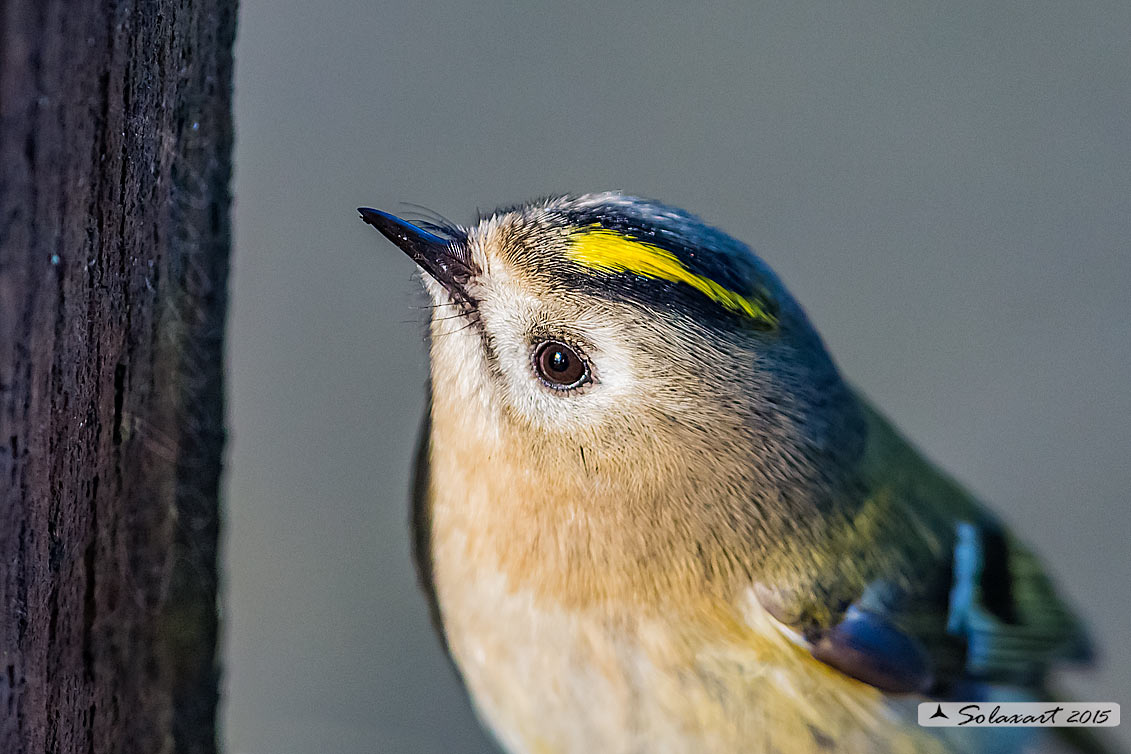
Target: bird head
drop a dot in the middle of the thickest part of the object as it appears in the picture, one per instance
(632, 361)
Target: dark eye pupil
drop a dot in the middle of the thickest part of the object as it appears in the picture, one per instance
(558, 365)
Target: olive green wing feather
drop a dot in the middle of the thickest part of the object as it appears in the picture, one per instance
(929, 592)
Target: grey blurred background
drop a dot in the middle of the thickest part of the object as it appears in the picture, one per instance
(946, 186)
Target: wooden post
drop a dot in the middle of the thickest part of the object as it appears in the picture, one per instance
(115, 143)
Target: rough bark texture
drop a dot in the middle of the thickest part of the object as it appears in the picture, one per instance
(115, 140)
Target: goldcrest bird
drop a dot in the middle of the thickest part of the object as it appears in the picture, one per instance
(652, 518)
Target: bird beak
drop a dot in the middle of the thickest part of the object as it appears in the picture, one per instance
(443, 259)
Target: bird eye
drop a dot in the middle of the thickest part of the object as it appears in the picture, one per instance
(559, 366)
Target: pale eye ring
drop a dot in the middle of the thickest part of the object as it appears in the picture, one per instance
(559, 366)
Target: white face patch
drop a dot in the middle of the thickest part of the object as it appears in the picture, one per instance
(518, 324)
(515, 322)
(511, 322)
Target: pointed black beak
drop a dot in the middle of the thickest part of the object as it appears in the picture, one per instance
(444, 259)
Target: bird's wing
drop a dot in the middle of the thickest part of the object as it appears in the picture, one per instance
(938, 598)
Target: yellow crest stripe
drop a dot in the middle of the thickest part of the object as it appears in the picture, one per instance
(608, 251)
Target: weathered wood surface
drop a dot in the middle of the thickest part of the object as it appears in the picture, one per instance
(115, 141)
